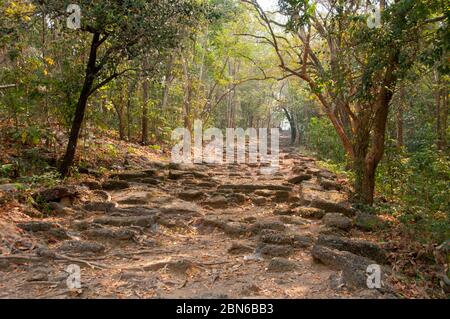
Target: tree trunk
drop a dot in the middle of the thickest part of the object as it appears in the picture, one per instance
(121, 116)
(130, 92)
(444, 118)
(187, 95)
(360, 150)
(120, 110)
(438, 95)
(292, 124)
(400, 142)
(365, 183)
(81, 107)
(399, 116)
(167, 83)
(144, 139)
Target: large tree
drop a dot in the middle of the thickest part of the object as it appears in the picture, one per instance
(352, 69)
(120, 31)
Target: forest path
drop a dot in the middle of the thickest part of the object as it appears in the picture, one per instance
(194, 231)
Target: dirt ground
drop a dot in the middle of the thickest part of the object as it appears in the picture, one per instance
(185, 231)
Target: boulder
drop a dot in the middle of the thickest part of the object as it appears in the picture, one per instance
(328, 184)
(332, 207)
(294, 220)
(36, 226)
(337, 220)
(300, 178)
(259, 200)
(131, 175)
(235, 229)
(100, 206)
(237, 198)
(92, 184)
(200, 175)
(108, 233)
(309, 212)
(148, 181)
(134, 200)
(327, 175)
(358, 247)
(353, 267)
(282, 196)
(101, 196)
(368, 222)
(79, 246)
(217, 201)
(177, 175)
(207, 184)
(56, 194)
(283, 212)
(257, 227)
(58, 233)
(58, 208)
(279, 238)
(112, 185)
(278, 264)
(298, 170)
(265, 193)
(191, 195)
(313, 171)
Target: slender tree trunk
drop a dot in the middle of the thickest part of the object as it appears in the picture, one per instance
(130, 92)
(292, 124)
(167, 84)
(120, 110)
(438, 95)
(399, 116)
(81, 107)
(121, 117)
(400, 142)
(444, 118)
(187, 95)
(145, 85)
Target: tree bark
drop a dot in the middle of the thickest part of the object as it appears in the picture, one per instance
(292, 124)
(400, 110)
(119, 106)
(130, 91)
(438, 95)
(145, 84)
(187, 95)
(81, 107)
(167, 83)
(444, 118)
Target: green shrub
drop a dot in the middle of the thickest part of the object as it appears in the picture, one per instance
(417, 183)
(324, 141)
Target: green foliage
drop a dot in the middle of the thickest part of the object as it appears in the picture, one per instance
(6, 170)
(417, 183)
(48, 179)
(29, 136)
(299, 11)
(323, 139)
